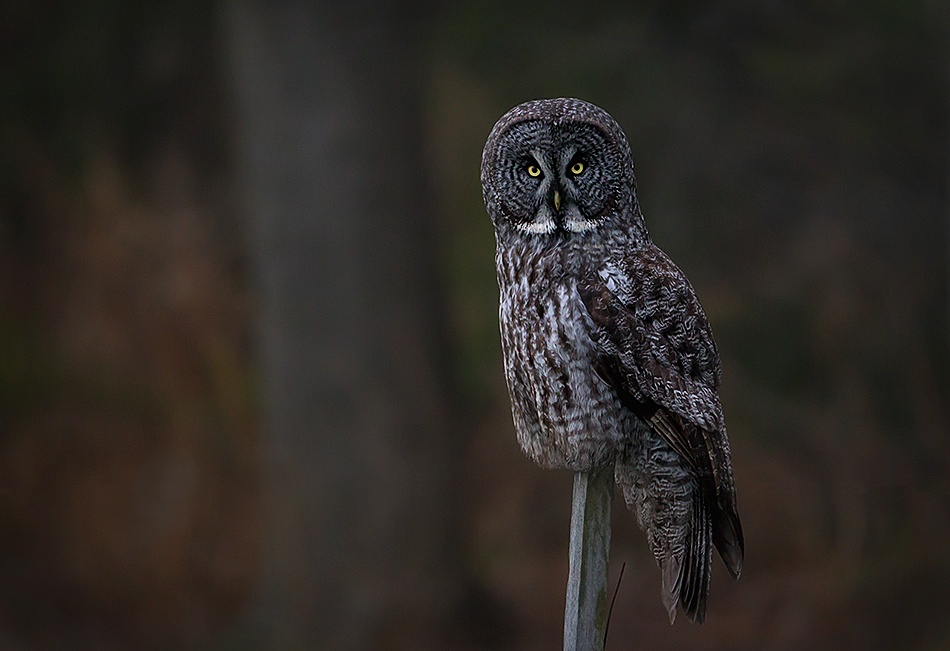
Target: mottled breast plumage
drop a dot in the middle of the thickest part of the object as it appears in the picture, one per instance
(564, 415)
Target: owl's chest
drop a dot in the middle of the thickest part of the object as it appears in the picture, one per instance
(547, 343)
(546, 331)
(545, 324)
(564, 413)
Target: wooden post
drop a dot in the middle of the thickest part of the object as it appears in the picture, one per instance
(585, 615)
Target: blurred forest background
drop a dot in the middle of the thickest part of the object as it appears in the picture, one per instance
(250, 382)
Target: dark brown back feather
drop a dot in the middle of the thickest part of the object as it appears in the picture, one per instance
(624, 364)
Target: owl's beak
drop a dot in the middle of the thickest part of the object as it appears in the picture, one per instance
(557, 201)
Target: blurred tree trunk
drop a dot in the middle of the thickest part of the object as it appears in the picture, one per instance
(357, 462)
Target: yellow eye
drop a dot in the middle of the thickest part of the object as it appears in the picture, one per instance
(577, 168)
(534, 170)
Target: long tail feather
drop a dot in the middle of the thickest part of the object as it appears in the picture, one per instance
(672, 571)
(727, 536)
(694, 586)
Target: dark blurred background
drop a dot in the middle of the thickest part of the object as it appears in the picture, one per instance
(250, 382)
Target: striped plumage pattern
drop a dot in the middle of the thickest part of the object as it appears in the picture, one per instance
(609, 357)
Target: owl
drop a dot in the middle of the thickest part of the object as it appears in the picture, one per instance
(608, 355)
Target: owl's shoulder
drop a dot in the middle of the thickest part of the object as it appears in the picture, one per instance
(644, 305)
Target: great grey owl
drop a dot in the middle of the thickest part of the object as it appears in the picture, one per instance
(609, 357)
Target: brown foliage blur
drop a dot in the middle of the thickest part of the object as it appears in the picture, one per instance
(127, 401)
(128, 493)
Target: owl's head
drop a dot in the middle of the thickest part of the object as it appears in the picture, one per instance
(558, 167)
